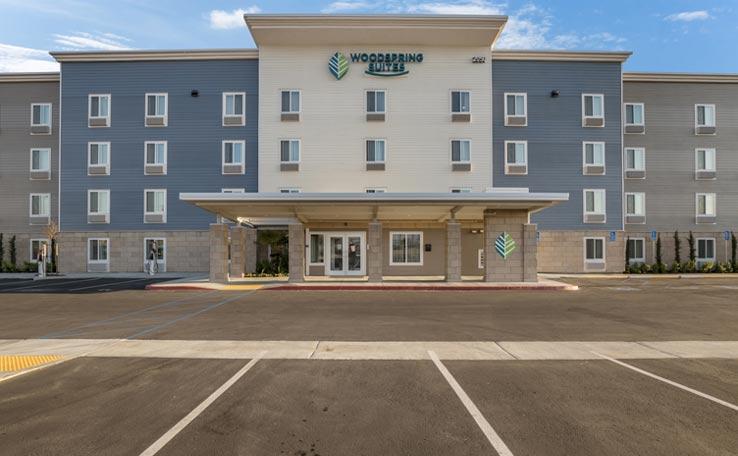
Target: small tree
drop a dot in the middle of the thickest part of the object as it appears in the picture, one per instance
(52, 231)
(677, 248)
(2, 250)
(690, 241)
(659, 263)
(733, 245)
(627, 255)
(13, 253)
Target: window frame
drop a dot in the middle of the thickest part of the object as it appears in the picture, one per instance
(30, 248)
(299, 151)
(89, 109)
(310, 250)
(366, 101)
(30, 204)
(162, 213)
(604, 198)
(641, 259)
(585, 165)
(146, 157)
(625, 114)
(89, 157)
(451, 151)
(107, 250)
(525, 108)
(525, 156)
(165, 116)
(697, 160)
(51, 117)
(451, 101)
(704, 260)
(384, 158)
(625, 161)
(243, 109)
(584, 108)
(89, 202)
(697, 204)
(392, 262)
(603, 260)
(30, 165)
(223, 151)
(299, 96)
(643, 203)
(696, 114)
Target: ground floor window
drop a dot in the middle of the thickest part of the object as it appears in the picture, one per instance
(406, 248)
(636, 250)
(36, 246)
(705, 251)
(594, 250)
(316, 249)
(97, 250)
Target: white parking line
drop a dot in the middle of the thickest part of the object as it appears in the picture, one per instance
(670, 382)
(170, 434)
(482, 422)
(50, 282)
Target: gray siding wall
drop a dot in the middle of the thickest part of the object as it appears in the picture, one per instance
(194, 134)
(555, 135)
(16, 142)
(670, 144)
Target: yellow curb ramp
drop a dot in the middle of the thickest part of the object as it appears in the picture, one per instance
(15, 363)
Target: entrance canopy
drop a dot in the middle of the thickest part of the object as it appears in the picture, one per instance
(264, 208)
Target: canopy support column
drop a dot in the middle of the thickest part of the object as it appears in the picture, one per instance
(218, 253)
(453, 250)
(296, 234)
(374, 251)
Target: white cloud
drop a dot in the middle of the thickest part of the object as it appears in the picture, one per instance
(688, 16)
(86, 41)
(22, 59)
(336, 7)
(224, 20)
(464, 7)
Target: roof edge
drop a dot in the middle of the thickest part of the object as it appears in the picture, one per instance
(572, 56)
(29, 77)
(149, 55)
(724, 78)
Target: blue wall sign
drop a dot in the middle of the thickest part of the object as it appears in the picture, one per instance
(726, 235)
(654, 235)
(613, 236)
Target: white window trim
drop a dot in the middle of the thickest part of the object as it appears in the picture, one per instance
(30, 159)
(376, 189)
(451, 101)
(525, 107)
(696, 115)
(625, 158)
(30, 248)
(299, 145)
(451, 151)
(406, 233)
(383, 161)
(89, 157)
(584, 117)
(222, 155)
(604, 250)
(525, 158)
(89, 109)
(643, 114)
(30, 205)
(697, 250)
(584, 201)
(480, 258)
(290, 190)
(586, 165)
(643, 198)
(51, 118)
(714, 159)
(697, 204)
(164, 212)
(166, 108)
(166, 154)
(366, 105)
(641, 259)
(89, 202)
(460, 189)
(243, 109)
(89, 244)
(299, 111)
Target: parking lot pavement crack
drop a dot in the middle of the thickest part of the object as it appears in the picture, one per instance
(650, 347)
(314, 350)
(503, 349)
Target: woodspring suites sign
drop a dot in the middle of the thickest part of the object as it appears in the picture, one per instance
(383, 64)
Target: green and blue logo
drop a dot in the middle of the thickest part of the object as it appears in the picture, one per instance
(505, 245)
(338, 65)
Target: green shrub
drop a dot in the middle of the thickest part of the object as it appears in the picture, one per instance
(707, 267)
(675, 267)
(677, 247)
(733, 245)
(13, 252)
(690, 241)
(627, 255)
(689, 266)
(2, 251)
(29, 266)
(8, 267)
(645, 269)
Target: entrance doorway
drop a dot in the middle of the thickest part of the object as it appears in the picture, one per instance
(345, 254)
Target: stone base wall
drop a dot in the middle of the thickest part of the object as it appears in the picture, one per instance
(186, 251)
(563, 251)
(520, 264)
(722, 247)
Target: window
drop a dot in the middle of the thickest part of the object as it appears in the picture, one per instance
(594, 250)
(99, 110)
(234, 108)
(98, 158)
(460, 151)
(40, 205)
(156, 109)
(705, 251)
(41, 115)
(594, 158)
(290, 190)
(516, 157)
(460, 190)
(97, 250)
(160, 249)
(36, 245)
(593, 110)
(40, 160)
(316, 249)
(375, 101)
(406, 248)
(706, 205)
(98, 202)
(704, 115)
(290, 101)
(635, 204)
(705, 160)
(234, 161)
(155, 202)
(375, 150)
(290, 151)
(516, 109)
(636, 251)
(155, 157)
(376, 190)
(634, 114)
(460, 102)
(594, 206)
(635, 159)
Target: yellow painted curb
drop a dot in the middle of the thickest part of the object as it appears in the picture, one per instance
(14, 363)
(241, 287)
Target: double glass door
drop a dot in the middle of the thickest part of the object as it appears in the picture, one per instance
(345, 253)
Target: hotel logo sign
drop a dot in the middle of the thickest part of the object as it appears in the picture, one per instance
(504, 245)
(383, 64)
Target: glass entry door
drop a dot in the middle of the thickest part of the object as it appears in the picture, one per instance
(346, 254)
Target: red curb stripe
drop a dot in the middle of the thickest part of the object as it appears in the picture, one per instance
(410, 288)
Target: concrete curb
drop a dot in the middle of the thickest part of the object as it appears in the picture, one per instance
(207, 286)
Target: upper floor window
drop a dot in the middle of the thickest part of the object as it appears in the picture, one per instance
(704, 115)
(460, 151)
(98, 158)
(40, 160)
(234, 160)
(98, 110)
(98, 206)
(594, 206)
(234, 109)
(594, 158)
(705, 160)
(375, 101)
(634, 114)
(705, 206)
(375, 150)
(635, 162)
(40, 205)
(155, 206)
(155, 159)
(290, 101)
(460, 101)
(290, 151)
(516, 109)
(635, 204)
(516, 157)
(41, 119)
(157, 111)
(593, 110)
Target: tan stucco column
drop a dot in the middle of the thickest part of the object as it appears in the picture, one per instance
(250, 250)
(218, 252)
(374, 252)
(453, 251)
(297, 252)
(530, 253)
(520, 262)
(238, 252)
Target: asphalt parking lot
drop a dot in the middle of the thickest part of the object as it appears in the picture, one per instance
(266, 405)
(75, 285)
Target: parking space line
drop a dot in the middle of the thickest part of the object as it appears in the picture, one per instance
(177, 428)
(110, 283)
(50, 282)
(670, 382)
(482, 422)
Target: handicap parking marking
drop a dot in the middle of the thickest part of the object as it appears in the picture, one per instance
(177, 428)
(494, 439)
(670, 382)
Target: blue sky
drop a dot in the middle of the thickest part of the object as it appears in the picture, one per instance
(664, 35)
